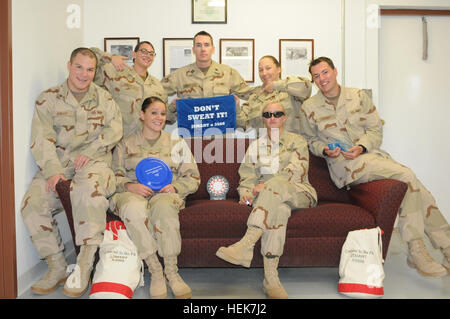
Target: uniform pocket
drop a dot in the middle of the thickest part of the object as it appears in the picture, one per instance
(220, 90)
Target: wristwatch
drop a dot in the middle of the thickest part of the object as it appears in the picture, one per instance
(364, 148)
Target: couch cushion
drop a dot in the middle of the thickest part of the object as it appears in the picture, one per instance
(329, 220)
(227, 219)
(214, 219)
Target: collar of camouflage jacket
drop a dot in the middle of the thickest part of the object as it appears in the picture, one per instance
(214, 69)
(91, 94)
(344, 97)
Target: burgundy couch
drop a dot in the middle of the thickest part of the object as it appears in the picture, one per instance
(314, 236)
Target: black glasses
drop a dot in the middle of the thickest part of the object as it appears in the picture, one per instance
(145, 52)
(268, 115)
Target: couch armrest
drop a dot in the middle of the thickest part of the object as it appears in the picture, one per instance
(382, 198)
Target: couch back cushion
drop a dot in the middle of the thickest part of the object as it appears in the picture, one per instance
(223, 156)
(218, 156)
(320, 179)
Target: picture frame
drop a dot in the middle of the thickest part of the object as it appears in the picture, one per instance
(295, 56)
(209, 11)
(177, 52)
(121, 46)
(240, 55)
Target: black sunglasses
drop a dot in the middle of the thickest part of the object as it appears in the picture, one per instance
(268, 115)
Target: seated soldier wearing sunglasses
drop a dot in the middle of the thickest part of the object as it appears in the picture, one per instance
(274, 180)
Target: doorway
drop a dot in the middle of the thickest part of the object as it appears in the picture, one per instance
(414, 94)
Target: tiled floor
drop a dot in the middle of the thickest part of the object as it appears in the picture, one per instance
(401, 282)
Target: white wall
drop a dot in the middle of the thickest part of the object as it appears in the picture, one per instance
(362, 61)
(414, 95)
(42, 44)
(264, 21)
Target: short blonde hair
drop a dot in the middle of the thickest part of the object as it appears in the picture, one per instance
(276, 102)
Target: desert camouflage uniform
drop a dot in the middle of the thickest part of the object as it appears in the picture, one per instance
(283, 168)
(190, 82)
(128, 89)
(63, 128)
(355, 121)
(156, 216)
(290, 93)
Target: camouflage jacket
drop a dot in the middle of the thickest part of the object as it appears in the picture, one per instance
(128, 89)
(290, 93)
(62, 128)
(286, 161)
(354, 121)
(190, 82)
(170, 148)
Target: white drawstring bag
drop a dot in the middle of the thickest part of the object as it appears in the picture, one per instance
(361, 266)
(119, 270)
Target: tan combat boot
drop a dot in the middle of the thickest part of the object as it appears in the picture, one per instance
(179, 288)
(78, 281)
(241, 252)
(446, 262)
(158, 289)
(271, 285)
(56, 275)
(420, 259)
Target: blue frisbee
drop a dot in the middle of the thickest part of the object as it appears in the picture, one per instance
(153, 173)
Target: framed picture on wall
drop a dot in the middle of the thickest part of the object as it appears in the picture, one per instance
(177, 52)
(121, 46)
(209, 11)
(295, 56)
(240, 55)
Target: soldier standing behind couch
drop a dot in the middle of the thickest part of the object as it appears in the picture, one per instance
(349, 116)
(204, 78)
(129, 86)
(151, 217)
(74, 128)
(274, 180)
(290, 93)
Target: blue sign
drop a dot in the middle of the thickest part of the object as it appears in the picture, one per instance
(154, 173)
(206, 116)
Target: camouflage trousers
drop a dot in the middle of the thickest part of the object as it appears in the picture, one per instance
(88, 191)
(418, 212)
(271, 211)
(152, 224)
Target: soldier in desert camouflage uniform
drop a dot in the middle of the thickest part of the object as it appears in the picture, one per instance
(151, 217)
(129, 86)
(290, 93)
(75, 126)
(349, 116)
(204, 78)
(274, 180)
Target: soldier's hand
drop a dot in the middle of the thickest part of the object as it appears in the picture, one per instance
(268, 88)
(174, 103)
(237, 100)
(353, 152)
(119, 62)
(332, 153)
(257, 189)
(52, 181)
(168, 189)
(81, 161)
(139, 189)
(246, 200)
